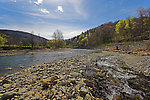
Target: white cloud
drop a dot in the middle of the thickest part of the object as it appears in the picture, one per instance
(60, 8)
(14, 0)
(73, 8)
(44, 11)
(77, 4)
(46, 29)
(38, 2)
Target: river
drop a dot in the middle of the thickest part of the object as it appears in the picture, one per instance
(27, 60)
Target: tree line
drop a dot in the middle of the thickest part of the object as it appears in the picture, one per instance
(128, 30)
(125, 30)
(57, 41)
(3, 39)
(32, 41)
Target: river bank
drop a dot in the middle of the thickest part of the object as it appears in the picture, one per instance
(141, 48)
(28, 51)
(11, 64)
(95, 76)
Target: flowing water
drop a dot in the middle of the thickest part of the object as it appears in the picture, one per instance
(129, 84)
(118, 83)
(27, 60)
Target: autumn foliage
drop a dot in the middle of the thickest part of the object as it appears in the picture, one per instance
(127, 30)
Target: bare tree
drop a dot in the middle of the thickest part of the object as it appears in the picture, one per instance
(54, 36)
(143, 12)
(58, 35)
(140, 12)
(59, 39)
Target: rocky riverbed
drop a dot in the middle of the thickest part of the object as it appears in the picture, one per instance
(95, 76)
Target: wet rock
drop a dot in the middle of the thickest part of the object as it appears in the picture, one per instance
(9, 68)
(99, 99)
(1, 95)
(4, 81)
(88, 97)
(75, 74)
(7, 96)
(64, 97)
(54, 82)
(7, 85)
(79, 98)
(73, 81)
(22, 66)
(22, 90)
(88, 83)
(33, 80)
(41, 70)
(81, 71)
(53, 78)
(46, 81)
(14, 84)
(83, 91)
(45, 77)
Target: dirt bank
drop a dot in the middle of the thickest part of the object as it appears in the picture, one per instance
(141, 48)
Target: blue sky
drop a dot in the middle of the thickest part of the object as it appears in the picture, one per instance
(70, 16)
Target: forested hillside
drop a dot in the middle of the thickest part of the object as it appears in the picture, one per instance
(127, 30)
(20, 38)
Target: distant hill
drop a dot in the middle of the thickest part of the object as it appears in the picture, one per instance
(17, 37)
(122, 31)
(94, 37)
(128, 30)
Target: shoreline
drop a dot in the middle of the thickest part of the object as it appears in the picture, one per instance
(78, 77)
(50, 55)
(28, 51)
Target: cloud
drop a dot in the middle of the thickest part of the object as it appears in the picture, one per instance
(44, 19)
(73, 8)
(77, 4)
(60, 8)
(14, 0)
(44, 11)
(46, 29)
(38, 2)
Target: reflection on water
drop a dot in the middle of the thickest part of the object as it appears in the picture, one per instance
(30, 59)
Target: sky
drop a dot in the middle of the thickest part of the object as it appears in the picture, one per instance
(72, 17)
